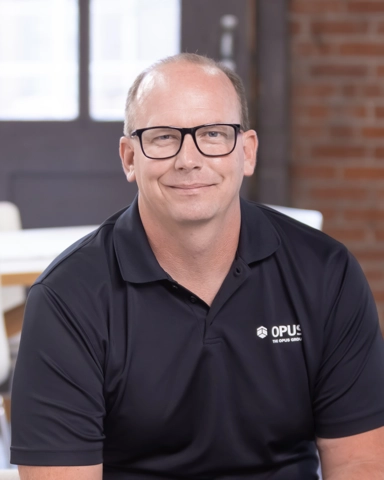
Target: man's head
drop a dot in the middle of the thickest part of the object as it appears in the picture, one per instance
(190, 185)
(191, 58)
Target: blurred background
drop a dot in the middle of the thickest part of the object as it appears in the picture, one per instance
(314, 75)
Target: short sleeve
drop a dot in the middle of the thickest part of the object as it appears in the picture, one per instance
(349, 396)
(57, 394)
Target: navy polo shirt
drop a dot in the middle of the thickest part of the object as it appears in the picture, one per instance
(121, 365)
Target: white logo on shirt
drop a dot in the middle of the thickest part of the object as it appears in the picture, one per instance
(262, 332)
(282, 333)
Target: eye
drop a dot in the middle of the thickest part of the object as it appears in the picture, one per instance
(210, 133)
(217, 133)
(161, 136)
(167, 136)
(213, 134)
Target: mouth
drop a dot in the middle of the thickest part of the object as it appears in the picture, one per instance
(190, 188)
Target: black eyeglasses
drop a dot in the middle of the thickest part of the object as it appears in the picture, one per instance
(214, 140)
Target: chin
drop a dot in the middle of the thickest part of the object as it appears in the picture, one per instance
(194, 216)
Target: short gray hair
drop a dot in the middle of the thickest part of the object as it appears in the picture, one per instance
(188, 58)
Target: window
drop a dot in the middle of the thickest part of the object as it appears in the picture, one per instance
(38, 59)
(126, 37)
(39, 54)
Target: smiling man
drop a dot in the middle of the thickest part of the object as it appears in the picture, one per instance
(196, 335)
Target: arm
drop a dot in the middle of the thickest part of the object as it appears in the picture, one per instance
(357, 457)
(349, 389)
(92, 472)
(348, 404)
(57, 394)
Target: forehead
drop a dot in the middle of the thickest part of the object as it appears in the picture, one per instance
(186, 93)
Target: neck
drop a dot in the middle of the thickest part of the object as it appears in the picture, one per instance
(197, 255)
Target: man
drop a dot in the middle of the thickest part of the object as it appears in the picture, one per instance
(195, 335)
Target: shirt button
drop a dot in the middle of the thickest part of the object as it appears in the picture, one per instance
(175, 287)
(237, 272)
(192, 299)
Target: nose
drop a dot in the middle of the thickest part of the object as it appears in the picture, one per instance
(189, 157)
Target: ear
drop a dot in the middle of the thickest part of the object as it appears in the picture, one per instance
(250, 144)
(127, 158)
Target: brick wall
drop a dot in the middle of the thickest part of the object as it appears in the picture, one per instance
(337, 121)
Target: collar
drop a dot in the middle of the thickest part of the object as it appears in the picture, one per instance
(258, 237)
(136, 259)
(138, 264)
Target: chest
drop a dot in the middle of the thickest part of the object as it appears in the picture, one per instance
(192, 378)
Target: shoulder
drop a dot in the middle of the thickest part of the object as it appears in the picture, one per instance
(310, 264)
(82, 269)
(296, 241)
(75, 292)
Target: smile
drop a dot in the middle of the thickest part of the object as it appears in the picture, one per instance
(190, 189)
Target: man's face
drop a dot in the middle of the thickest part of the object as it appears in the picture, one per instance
(189, 187)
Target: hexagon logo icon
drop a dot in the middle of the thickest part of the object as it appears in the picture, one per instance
(262, 332)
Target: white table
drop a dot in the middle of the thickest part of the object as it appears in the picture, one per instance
(24, 254)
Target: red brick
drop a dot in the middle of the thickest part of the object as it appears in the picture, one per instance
(372, 90)
(381, 317)
(380, 27)
(340, 193)
(335, 70)
(329, 214)
(343, 27)
(307, 172)
(366, 6)
(311, 49)
(311, 111)
(342, 61)
(374, 275)
(358, 111)
(338, 151)
(366, 49)
(310, 90)
(317, 6)
(294, 28)
(373, 132)
(317, 111)
(349, 90)
(365, 255)
(342, 131)
(365, 215)
(346, 234)
(364, 173)
(378, 295)
(309, 131)
(344, 111)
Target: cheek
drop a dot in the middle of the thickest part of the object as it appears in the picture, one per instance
(148, 173)
(232, 167)
(225, 166)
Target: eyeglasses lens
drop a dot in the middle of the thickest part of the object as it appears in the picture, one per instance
(165, 142)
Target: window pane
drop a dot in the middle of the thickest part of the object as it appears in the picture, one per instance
(38, 59)
(126, 37)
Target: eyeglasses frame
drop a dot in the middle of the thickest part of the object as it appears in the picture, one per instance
(185, 131)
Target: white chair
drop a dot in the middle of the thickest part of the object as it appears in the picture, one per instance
(5, 356)
(5, 369)
(10, 220)
(313, 218)
(11, 474)
(10, 297)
